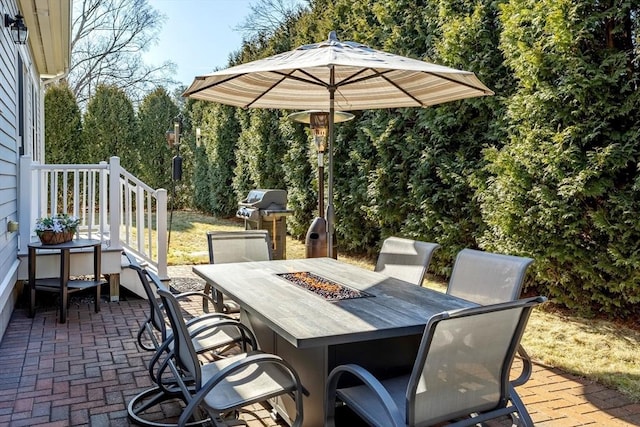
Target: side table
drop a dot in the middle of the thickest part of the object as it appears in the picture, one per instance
(63, 284)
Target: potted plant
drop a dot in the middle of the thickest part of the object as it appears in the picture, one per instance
(58, 228)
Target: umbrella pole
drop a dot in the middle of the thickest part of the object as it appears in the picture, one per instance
(330, 210)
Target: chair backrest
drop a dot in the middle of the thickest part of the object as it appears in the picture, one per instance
(185, 353)
(238, 246)
(405, 259)
(156, 316)
(464, 361)
(487, 278)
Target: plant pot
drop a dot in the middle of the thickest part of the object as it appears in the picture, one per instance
(53, 238)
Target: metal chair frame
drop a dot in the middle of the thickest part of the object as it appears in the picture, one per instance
(222, 387)
(216, 342)
(405, 259)
(257, 240)
(490, 278)
(461, 373)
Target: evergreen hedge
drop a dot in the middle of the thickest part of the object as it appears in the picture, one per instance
(546, 168)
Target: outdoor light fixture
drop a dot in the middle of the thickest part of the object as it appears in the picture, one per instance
(173, 135)
(19, 31)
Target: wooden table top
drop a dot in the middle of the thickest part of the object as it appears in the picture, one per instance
(395, 308)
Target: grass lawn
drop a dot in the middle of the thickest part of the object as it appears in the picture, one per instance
(603, 351)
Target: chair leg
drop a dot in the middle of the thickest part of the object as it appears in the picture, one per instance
(150, 399)
(523, 414)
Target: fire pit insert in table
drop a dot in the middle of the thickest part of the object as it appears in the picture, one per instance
(327, 289)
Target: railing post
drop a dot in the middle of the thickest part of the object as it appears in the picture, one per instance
(161, 226)
(26, 207)
(103, 200)
(114, 202)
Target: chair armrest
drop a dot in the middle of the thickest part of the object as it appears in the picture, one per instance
(527, 367)
(205, 298)
(251, 359)
(396, 418)
(207, 317)
(245, 333)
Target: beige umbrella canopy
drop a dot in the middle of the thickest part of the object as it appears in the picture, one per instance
(336, 75)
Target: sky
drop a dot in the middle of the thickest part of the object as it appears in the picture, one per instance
(197, 35)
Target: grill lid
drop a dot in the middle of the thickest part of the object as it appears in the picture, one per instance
(266, 199)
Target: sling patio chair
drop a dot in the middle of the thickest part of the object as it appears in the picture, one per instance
(218, 390)
(154, 330)
(223, 336)
(490, 278)
(461, 373)
(405, 259)
(235, 246)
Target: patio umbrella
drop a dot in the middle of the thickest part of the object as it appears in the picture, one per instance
(334, 74)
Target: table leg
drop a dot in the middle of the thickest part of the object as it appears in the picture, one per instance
(217, 296)
(32, 282)
(64, 280)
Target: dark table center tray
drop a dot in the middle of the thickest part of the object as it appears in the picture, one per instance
(323, 287)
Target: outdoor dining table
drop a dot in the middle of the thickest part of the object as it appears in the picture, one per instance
(379, 329)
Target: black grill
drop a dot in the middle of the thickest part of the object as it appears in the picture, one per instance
(266, 209)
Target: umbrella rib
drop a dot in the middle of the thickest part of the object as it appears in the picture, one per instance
(214, 84)
(399, 88)
(380, 74)
(314, 79)
(257, 98)
(458, 82)
(284, 76)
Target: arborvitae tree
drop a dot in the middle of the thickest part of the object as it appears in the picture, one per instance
(300, 177)
(196, 110)
(566, 186)
(110, 128)
(221, 134)
(156, 115)
(453, 136)
(260, 152)
(354, 160)
(243, 179)
(63, 127)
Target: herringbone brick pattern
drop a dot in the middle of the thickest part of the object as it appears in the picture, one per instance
(84, 372)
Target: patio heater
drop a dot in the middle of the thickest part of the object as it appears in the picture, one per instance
(316, 239)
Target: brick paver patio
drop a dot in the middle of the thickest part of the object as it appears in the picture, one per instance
(84, 372)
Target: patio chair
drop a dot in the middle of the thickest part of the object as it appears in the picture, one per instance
(490, 278)
(219, 389)
(405, 259)
(223, 336)
(461, 373)
(235, 246)
(155, 327)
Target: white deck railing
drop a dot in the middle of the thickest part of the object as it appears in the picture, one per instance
(112, 205)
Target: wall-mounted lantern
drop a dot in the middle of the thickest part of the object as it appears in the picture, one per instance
(19, 31)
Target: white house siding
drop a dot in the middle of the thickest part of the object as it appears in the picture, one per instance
(10, 150)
